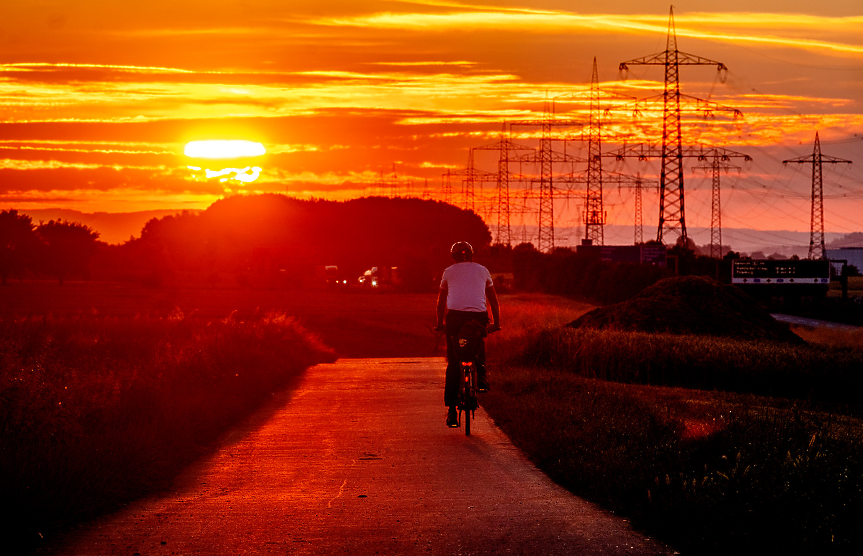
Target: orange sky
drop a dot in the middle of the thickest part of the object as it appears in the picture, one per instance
(98, 98)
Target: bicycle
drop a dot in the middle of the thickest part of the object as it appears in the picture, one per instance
(468, 342)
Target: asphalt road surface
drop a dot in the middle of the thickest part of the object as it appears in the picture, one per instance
(358, 460)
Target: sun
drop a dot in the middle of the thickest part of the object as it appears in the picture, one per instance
(223, 149)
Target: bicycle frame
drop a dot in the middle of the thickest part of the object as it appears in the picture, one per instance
(467, 399)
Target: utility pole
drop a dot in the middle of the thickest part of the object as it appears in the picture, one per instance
(816, 222)
(671, 201)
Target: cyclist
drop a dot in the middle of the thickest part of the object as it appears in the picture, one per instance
(464, 289)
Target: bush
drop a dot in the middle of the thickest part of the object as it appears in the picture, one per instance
(96, 411)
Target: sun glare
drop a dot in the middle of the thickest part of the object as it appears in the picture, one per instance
(223, 149)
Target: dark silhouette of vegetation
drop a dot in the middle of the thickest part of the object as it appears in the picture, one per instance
(710, 473)
(566, 272)
(18, 244)
(97, 411)
(690, 305)
(56, 248)
(266, 237)
(67, 248)
(716, 445)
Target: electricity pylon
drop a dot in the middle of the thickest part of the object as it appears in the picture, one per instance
(719, 155)
(639, 222)
(547, 157)
(816, 223)
(594, 214)
(716, 164)
(470, 177)
(671, 202)
(502, 209)
(594, 211)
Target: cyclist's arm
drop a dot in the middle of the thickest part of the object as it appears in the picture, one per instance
(491, 294)
(441, 304)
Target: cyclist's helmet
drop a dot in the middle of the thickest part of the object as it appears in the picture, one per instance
(461, 251)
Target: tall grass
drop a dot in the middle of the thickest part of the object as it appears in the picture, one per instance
(94, 411)
(711, 472)
(826, 374)
(709, 475)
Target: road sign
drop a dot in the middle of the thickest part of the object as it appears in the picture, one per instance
(787, 272)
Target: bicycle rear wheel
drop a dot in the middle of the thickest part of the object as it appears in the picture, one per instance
(467, 422)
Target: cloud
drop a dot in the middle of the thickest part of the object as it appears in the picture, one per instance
(758, 25)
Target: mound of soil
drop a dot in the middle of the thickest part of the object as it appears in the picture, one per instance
(690, 305)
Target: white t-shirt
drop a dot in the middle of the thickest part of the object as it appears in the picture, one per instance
(466, 283)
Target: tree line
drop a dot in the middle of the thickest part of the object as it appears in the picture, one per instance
(56, 248)
(267, 239)
(584, 274)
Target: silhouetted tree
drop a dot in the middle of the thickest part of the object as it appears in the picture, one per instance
(67, 248)
(257, 234)
(18, 243)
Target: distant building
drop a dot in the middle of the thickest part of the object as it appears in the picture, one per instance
(854, 256)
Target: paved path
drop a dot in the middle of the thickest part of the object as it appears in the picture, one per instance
(358, 461)
(814, 323)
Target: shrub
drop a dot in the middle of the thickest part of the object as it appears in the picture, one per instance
(99, 410)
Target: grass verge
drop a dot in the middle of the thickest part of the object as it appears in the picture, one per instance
(816, 373)
(96, 411)
(708, 472)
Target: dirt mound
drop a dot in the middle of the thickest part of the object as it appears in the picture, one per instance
(690, 305)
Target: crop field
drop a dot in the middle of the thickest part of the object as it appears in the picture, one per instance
(713, 445)
(716, 446)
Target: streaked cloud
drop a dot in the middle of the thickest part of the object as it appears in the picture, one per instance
(95, 112)
(541, 21)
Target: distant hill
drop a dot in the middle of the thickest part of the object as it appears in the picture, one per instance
(744, 240)
(854, 239)
(113, 227)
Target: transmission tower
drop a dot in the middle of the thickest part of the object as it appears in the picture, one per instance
(594, 215)
(639, 223)
(502, 207)
(637, 184)
(671, 203)
(547, 157)
(703, 154)
(470, 177)
(546, 183)
(715, 166)
(816, 223)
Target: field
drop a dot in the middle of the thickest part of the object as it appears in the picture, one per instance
(99, 406)
(712, 445)
(717, 467)
(352, 323)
